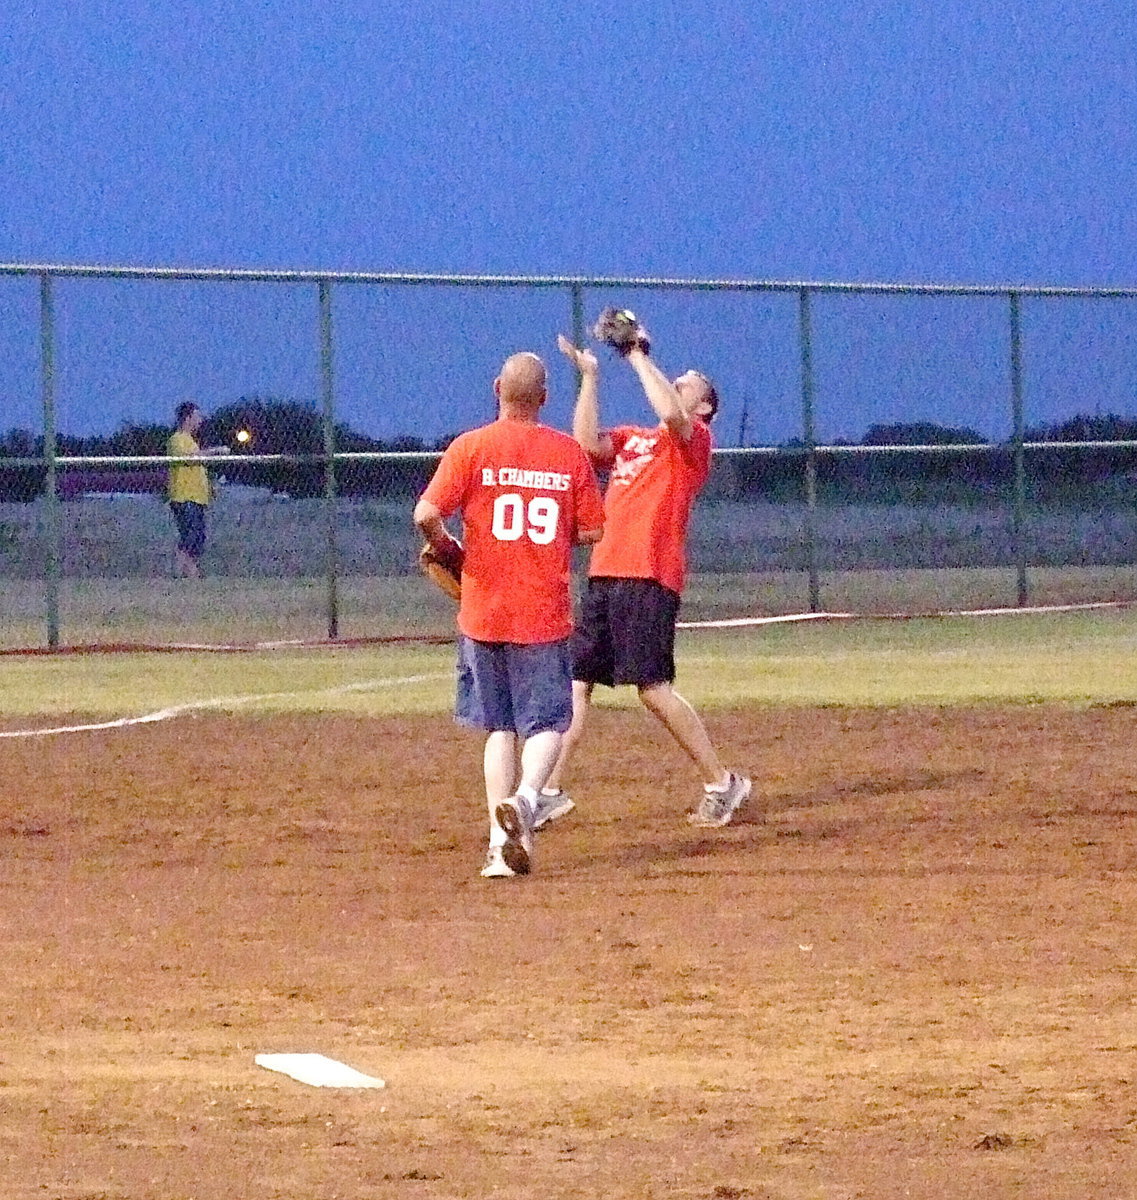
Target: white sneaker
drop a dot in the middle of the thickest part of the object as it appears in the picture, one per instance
(549, 808)
(717, 808)
(495, 866)
(516, 819)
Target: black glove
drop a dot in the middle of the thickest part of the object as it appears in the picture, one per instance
(620, 329)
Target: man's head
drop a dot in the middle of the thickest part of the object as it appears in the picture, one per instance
(698, 395)
(188, 416)
(520, 388)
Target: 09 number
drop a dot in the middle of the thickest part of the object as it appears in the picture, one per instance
(513, 519)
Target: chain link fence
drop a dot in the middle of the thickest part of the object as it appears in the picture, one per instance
(823, 495)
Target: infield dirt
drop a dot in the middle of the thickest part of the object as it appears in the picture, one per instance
(907, 970)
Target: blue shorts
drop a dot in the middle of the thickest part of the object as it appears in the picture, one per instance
(516, 689)
(189, 517)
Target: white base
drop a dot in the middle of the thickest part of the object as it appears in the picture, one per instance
(318, 1070)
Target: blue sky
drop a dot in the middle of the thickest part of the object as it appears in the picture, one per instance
(881, 140)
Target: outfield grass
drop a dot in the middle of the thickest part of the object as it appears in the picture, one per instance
(217, 611)
(1073, 658)
(1078, 658)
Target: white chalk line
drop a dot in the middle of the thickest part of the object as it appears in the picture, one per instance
(746, 622)
(178, 710)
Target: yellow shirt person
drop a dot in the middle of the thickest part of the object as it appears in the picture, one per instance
(187, 481)
(188, 490)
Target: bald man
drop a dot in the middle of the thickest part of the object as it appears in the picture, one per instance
(527, 495)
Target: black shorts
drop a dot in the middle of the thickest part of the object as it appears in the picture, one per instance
(189, 517)
(626, 633)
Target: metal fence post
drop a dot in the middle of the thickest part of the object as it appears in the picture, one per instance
(577, 315)
(809, 437)
(327, 392)
(53, 560)
(1018, 512)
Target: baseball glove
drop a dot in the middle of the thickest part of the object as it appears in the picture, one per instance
(620, 329)
(443, 567)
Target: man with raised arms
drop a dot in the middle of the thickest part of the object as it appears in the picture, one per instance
(638, 569)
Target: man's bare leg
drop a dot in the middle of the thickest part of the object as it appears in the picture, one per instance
(539, 756)
(581, 703)
(686, 727)
(500, 763)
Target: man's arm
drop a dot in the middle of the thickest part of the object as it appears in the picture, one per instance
(587, 537)
(176, 449)
(428, 518)
(661, 394)
(586, 414)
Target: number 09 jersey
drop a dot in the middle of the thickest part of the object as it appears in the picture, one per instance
(524, 492)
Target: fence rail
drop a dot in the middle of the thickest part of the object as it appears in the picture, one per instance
(588, 282)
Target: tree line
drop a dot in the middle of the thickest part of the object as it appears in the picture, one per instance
(274, 427)
(1056, 472)
(295, 429)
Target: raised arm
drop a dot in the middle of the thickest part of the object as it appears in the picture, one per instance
(661, 393)
(586, 415)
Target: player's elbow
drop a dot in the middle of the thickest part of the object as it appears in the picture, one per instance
(586, 537)
(426, 516)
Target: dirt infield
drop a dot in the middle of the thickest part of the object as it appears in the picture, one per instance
(909, 970)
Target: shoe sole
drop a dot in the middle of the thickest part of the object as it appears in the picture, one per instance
(514, 853)
(551, 814)
(502, 872)
(728, 816)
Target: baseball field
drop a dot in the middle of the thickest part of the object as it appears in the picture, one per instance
(908, 969)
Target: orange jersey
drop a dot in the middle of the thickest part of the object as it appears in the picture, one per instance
(524, 492)
(655, 477)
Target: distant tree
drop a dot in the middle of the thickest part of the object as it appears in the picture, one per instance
(139, 439)
(20, 443)
(920, 433)
(1086, 428)
(296, 427)
(20, 484)
(1067, 471)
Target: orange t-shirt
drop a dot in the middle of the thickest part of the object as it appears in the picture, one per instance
(524, 491)
(655, 477)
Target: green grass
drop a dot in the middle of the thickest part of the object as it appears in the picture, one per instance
(373, 681)
(1072, 658)
(1078, 658)
(220, 611)
(223, 610)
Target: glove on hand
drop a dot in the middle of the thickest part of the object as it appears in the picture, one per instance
(620, 329)
(443, 567)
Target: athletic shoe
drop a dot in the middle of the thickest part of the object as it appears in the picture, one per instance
(515, 817)
(496, 867)
(549, 808)
(717, 808)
